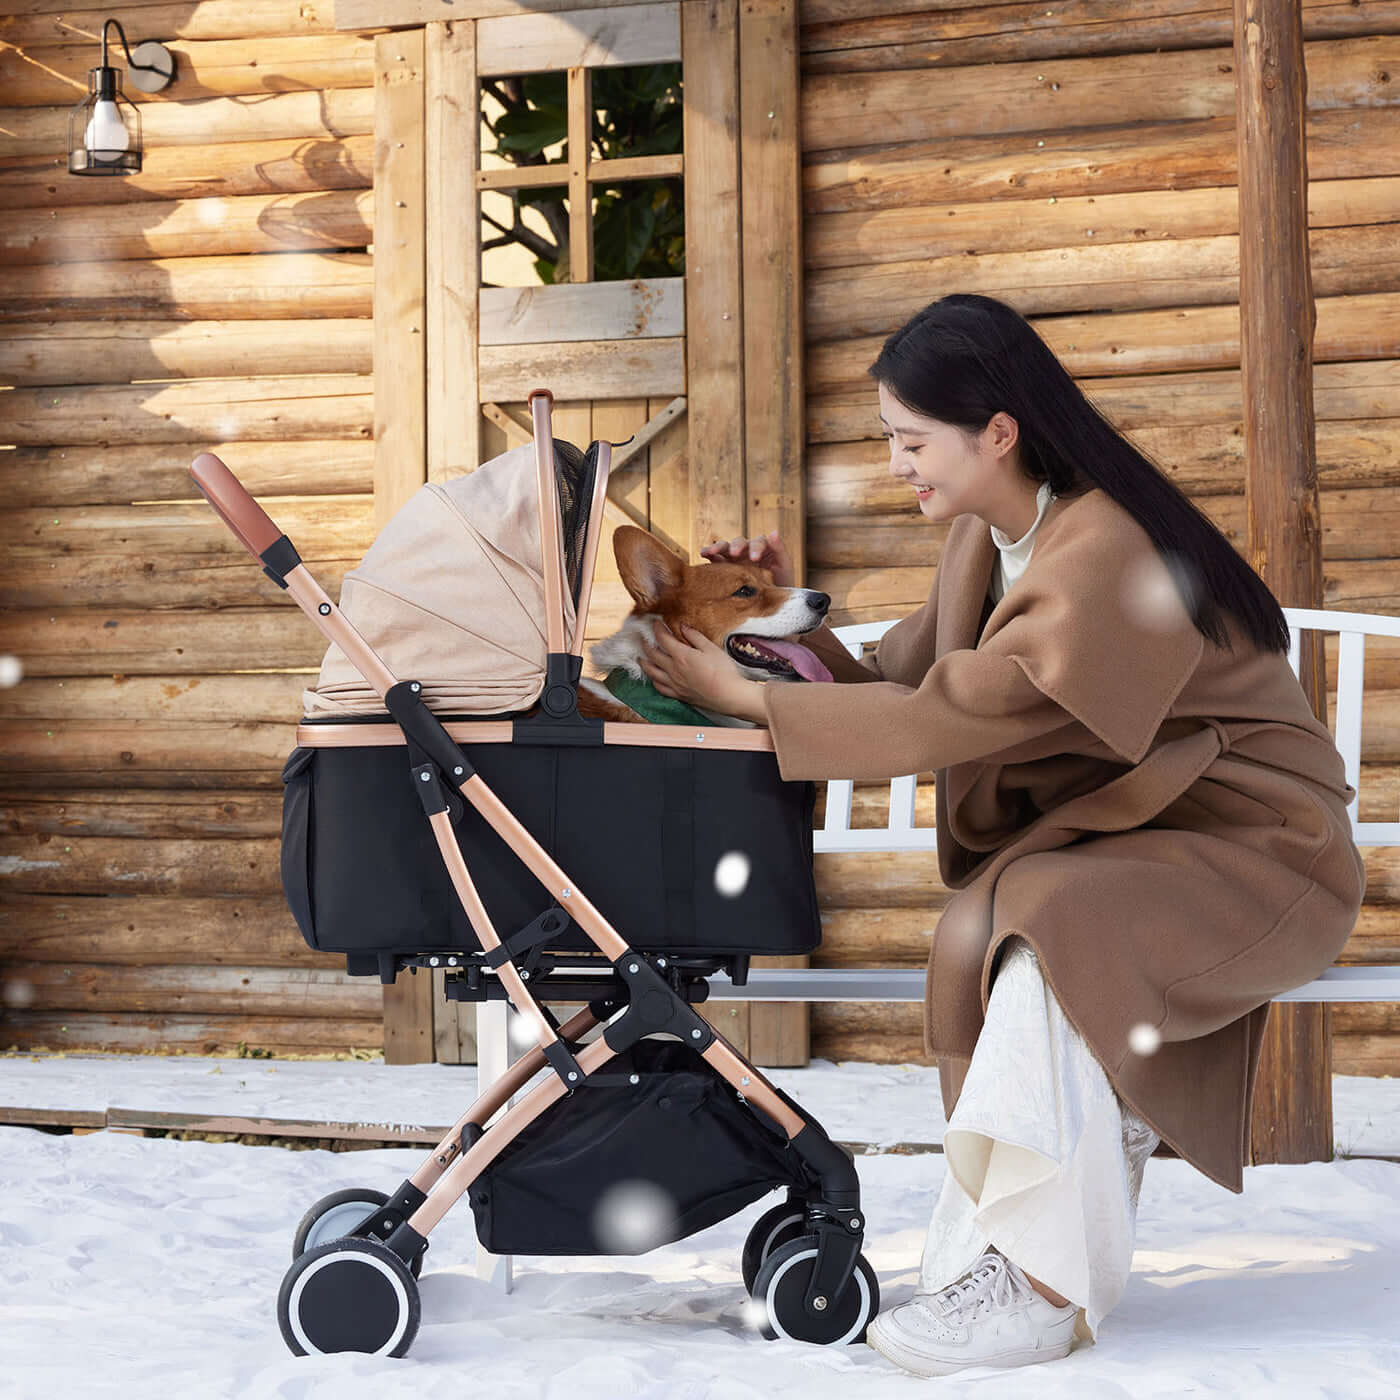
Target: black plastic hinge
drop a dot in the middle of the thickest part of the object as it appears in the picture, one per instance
(427, 739)
(562, 1062)
(556, 719)
(279, 559)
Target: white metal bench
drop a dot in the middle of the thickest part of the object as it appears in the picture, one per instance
(901, 834)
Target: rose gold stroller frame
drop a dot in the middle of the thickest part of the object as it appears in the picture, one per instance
(448, 1170)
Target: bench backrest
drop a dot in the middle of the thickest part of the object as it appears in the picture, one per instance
(900, 833)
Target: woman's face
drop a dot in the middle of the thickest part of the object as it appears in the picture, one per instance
(962, 475)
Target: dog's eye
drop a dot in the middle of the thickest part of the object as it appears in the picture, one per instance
(747, 591)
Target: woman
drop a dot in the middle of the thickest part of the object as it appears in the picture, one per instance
(1144, 823)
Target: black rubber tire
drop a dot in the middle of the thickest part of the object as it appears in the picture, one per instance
(782, 1285)
(770, 1231)
(360, 1195)
(349, 1295)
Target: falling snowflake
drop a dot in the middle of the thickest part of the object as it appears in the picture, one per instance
(732, 873)
(634, 1216)
(1144, 1039)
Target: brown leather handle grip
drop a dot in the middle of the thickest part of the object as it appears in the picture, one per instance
(233, 505)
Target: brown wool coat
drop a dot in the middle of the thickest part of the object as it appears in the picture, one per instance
(1162, 819)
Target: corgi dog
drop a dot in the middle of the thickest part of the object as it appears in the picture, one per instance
(736, 605)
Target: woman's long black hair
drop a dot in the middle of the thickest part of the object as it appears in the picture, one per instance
(965, 357)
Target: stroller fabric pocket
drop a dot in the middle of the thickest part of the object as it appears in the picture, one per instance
(641, 829)
(621, 1168)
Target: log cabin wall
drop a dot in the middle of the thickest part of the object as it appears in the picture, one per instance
(1086, 173)
(1086, 177)
(221, 300)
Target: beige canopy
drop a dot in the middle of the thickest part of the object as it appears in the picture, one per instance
(451, 595)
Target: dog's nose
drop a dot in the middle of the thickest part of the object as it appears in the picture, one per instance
(819, 602)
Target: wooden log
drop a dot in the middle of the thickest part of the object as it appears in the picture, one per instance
(234, 1034)
(1074, 164)
(880, 937)
(313, 115)
(94, 642)
(1083, 275)
(46, 22)
(1196, 338)
(1357, 390)
(89, 475)
(334, 527)
(226, 170)
(999, 100)
(1204, 460)
(47, 754)
(150, 815)
(909, 879)
(866, 238)
(166, 581)
(290, 286)
(241, 67)
(333, 220)
(312, 992)
(206, 410)
(101, 864)
(267, 698)
(956, 36)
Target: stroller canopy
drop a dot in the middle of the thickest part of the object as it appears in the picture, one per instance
(451, 592)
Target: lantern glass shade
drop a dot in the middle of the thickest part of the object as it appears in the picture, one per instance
(104, 129)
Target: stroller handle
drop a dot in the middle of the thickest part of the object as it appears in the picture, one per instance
(233, 505)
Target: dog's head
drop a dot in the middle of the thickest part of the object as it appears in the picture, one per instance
(736, 605)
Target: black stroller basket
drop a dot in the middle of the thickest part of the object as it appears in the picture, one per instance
(472, 874)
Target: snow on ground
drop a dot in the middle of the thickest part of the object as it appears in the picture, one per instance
(144, 1266)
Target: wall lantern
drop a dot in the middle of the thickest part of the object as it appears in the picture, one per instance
(104, 129)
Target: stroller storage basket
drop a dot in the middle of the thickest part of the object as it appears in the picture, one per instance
(642, 828)
(621, 1168)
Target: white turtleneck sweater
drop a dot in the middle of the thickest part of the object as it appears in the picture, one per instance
(1014, 555)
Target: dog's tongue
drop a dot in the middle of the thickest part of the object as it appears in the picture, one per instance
(806, 663)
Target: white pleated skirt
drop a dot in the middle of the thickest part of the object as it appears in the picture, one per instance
(1044, 1160)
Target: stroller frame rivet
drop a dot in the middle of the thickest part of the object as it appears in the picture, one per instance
(631, 967)
(819, 1303)
(695, 1034)
(426, 777)
(634, 1078)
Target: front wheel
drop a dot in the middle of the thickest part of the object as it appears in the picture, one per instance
(781, 1286)
(349, 1295)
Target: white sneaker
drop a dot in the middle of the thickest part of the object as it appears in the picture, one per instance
(991, 1316)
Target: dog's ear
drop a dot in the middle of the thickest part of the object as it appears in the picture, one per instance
(646, 566)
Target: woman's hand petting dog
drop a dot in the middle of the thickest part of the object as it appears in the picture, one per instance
(698, 672)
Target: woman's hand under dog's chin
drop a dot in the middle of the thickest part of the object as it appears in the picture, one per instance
(699, 673)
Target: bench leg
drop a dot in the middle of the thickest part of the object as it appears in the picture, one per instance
(493, 1058)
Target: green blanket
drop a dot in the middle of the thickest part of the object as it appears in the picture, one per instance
(649, 702)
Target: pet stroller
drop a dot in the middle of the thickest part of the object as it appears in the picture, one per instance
(414, 806)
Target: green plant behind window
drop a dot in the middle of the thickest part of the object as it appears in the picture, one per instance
(639, 225)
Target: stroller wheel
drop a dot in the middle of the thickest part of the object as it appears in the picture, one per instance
(773, 1228)
(335, 1216)
(782, 1285)
(348, 1295)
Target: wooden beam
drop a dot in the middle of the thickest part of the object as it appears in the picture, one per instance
(640, 309)
(1292, 1118)
(544, 43)
(774, 430)
(400, 381)
(580, 152)
(714, 342)
(381, 14)
(452, 112)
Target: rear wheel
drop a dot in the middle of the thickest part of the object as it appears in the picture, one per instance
(771, 1230)
(342, 1214)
